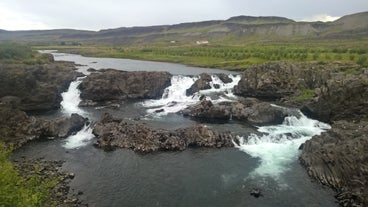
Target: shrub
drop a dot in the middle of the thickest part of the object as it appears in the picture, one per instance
(15, 51)
(362, 60)
(18, 191)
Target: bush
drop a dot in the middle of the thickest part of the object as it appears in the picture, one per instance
(362, 60)
(18, 191)
(15, 51)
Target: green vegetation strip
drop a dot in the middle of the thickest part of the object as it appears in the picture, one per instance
(234, 57)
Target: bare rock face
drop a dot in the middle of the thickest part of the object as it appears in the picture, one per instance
(339, 159)
(38, 87)
(326, 92)
(343, 97)
(276, 80)
(108, 85)
(249, 110)
(114, 133)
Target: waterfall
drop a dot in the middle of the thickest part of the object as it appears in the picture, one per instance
(175, 99)
(69, 105)
(278, 146)
(71, 99)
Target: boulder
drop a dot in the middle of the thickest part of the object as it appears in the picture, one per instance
(114, 133)
(109, 85)
(224, 78)
(202, 83)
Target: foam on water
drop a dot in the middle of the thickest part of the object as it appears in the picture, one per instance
(175, 99)
(80, 139)
(278, 146)
(69, 105)
(71, 99)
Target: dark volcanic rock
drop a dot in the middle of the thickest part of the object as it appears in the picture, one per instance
(202, 83)
(342, 97)
(326, 92)
(112, 84)
(62, 127)
(338, 158)
(17, 128)
(273, 81)
(255, 192)
(114, 133)
(249, 110)
(224, 78)
(38, 87)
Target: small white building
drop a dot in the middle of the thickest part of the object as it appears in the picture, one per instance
(202, 42)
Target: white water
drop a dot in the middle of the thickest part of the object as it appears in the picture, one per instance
(278, 147)
(82, 138)
(69, 105)
(175, 99)
(71, 99)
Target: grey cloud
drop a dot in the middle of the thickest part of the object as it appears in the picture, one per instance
(96, 14)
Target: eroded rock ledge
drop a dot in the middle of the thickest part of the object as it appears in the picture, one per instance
(17, 128)
(110, 85)
(115, 133)
(249, 110)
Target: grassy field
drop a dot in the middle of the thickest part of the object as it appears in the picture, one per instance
(235, 57)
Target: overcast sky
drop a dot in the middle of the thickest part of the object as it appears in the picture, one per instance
(103, 14)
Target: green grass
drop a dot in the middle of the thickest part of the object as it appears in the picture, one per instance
(305, 94)
(19, 191)
(235, 57)
(17, 53)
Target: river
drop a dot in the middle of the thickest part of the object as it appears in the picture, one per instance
(194, 177)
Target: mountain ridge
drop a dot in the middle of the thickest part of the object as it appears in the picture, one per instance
(238, 27)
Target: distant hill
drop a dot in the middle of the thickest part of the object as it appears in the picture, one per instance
(218, 31)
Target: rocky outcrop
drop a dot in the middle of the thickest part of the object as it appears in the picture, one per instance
(338, 158)
(202, 83)
(107, 85)
(114, 133)
(17, 128)
(343, 97)
(273, 81)
(249, 110)
(38, 87)
(326, 92)
(62, 127)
